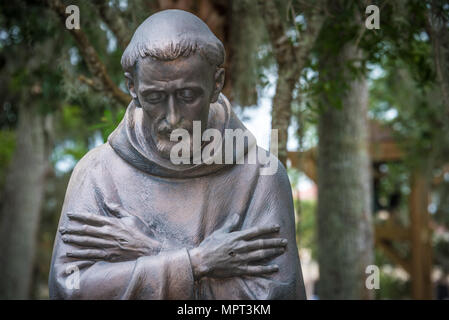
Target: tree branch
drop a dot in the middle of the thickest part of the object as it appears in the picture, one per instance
(315, 18)
(90, 56)
(290, 60)
(288, 74)
(114, 22)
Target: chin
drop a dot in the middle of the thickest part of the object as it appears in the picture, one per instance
(163, 147)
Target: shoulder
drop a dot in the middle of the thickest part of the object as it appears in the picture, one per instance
(266, 170)
(94, 160)
(272, 198)
(271, 170)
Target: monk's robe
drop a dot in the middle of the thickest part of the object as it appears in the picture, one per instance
(182, 204)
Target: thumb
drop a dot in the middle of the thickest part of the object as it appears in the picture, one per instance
(116, 210)
(232, 223)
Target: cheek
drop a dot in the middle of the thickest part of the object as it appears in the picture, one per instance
(154, 111)
(197, 111)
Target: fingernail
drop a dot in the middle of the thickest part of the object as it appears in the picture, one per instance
(69, 254)
(276, 267)
(284, 241)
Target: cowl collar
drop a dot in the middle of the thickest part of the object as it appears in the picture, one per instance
(128, 142)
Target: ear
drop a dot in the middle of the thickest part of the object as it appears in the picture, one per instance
(219, 83)
(130, 85)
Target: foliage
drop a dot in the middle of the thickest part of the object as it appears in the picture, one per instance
(441, 252)
(391, 285)
(306, 226)
(7, 143)
(109, 122)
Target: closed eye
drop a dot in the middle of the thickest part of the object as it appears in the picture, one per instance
(154, 96)
(187, 95)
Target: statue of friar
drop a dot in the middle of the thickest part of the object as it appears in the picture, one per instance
(165, 209)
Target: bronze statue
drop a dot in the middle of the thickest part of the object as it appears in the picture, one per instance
(135, 225)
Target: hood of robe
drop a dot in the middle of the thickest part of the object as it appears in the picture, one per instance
(129, 143)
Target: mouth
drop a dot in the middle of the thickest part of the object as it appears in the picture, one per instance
(166, 133)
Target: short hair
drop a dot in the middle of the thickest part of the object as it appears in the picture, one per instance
(170, 34)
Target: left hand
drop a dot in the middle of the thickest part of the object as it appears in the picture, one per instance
(119, 238)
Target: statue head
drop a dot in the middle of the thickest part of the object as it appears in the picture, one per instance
(174, 70)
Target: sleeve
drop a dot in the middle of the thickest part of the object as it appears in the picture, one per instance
(271, 203)
(165, 276)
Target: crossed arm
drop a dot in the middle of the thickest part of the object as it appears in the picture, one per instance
(124, 237)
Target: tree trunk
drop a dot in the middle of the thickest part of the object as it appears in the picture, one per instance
(345, 235)
(281, 112)
(290, 61)
(288, 73)
(439, 34)
(21, 205)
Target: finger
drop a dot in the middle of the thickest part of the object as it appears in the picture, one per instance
(89, 218)
(116, 210)
(84, 230)
(232, 223)
(257, 270)
(91, 254)
(246, 246)
(84, 241)
(261, 254)
(257, 231)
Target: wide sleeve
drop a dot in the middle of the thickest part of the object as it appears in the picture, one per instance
(165, 276)
(271, 203)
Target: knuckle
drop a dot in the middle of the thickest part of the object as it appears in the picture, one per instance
(107, 229)
(239, 244)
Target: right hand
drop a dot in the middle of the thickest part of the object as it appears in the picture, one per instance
(119, 237)
(229, 254)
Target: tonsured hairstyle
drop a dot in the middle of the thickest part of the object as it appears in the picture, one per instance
(170, 34)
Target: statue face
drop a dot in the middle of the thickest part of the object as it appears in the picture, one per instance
(173, 94)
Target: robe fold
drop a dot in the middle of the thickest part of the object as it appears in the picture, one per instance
(182, 204)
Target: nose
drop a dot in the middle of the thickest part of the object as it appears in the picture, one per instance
(172, 112)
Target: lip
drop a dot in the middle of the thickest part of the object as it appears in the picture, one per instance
(164, 136)
(168, 133)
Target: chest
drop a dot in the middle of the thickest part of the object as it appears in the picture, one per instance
(180, 212)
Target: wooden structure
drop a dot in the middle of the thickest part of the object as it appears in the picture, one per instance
(418, 264)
